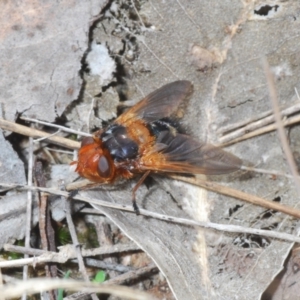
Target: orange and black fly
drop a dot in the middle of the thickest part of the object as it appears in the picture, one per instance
(144, 139)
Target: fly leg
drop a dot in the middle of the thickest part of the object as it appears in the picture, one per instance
(141, 180)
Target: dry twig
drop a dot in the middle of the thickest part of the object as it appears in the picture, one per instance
(76, 245)
(263, 130)
(66, 252)
(33, 286)
(258, 126)
(279, 125)
(215, 187)
(61, 128)
(57, 140)
(28, 208)
(46, 230)
(211, 186)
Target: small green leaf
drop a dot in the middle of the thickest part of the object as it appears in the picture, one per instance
(100, 277)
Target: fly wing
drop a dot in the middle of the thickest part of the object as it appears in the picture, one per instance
(160, 103)
(182, 154)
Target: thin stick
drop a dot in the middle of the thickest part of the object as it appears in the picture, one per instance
(263, 130)
(230, 127)
(28, 208)
(133, 274)
(263, 171)
(219, 227)
(1, 284)
(58, 140)
(105, 238)
(100, 264)
(45, 226)
(195, 181)
(63, 128)
(211, 186)
(43, 204)
(45, 138)
(280, 127)
(89, 261)
(58, 151)
(66, 252)
(33, 286)
(258, 124)
(76, 245)
(75, 241)
(63, 256)
(24, 250)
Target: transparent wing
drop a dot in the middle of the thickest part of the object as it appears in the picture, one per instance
(160, 103)
(180, 153)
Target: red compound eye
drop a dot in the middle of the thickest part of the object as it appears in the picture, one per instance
(104, 169)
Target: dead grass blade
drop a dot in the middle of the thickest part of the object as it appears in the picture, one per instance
(34, 286)
(27, 131)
